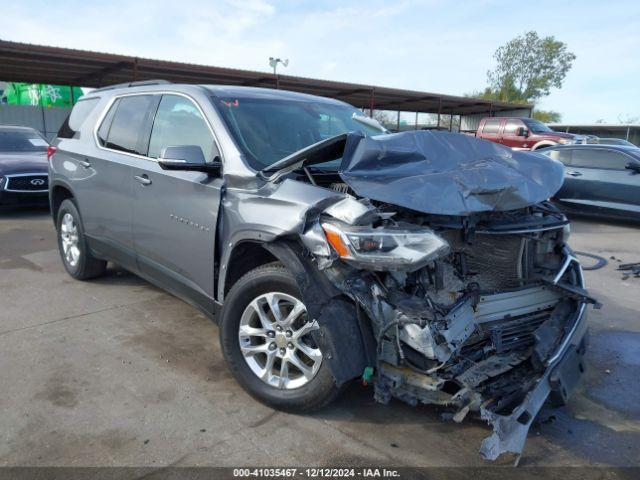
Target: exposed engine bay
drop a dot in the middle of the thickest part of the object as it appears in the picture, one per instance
(481, 310)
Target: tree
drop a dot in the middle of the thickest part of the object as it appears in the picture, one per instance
(547, 116)
(384, 118)
(628, 119)
(528, 67)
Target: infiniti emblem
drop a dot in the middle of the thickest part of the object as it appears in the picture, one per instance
(37, 182)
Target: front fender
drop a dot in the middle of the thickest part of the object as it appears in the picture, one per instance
(543, 143)
(341, 336)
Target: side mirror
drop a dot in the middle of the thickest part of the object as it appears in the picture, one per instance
(634, 167)
(187, 157)
(522, 132)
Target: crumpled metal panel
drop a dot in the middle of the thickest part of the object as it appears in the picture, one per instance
(447, 173)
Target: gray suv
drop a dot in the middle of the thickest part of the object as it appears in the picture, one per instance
(427, 264)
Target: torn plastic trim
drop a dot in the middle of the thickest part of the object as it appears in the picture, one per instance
(568, 260)
(577, 292)
(352, 211)
(347, 210)
(510, 431)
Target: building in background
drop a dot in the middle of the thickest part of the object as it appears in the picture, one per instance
(398, 109)
(40, 106)
(628, 132)
(39, 95)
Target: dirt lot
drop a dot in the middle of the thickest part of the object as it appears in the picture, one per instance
(116, 372)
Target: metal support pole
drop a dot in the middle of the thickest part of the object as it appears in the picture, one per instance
(372, 102)
(398, 122)
(416, 121)
(439, 110)
(450, 121)
(135, 69)
(627, 138)
(44, 120)
(491, 109)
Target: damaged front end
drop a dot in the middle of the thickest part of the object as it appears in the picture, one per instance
(489, 319)
(481, 310)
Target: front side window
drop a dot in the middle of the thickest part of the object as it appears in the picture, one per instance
(122, 127)
(595, 158)
(178, 122)
(267, 130)
(512, 126)
(491, 126)
(22, 141)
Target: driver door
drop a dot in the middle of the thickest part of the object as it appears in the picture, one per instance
(175, 212)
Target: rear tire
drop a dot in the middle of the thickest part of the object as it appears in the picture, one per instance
(72, 244)
(243, 329)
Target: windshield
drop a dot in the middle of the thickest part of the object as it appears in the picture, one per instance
(536, 126)
(22, 141)
(268, 130)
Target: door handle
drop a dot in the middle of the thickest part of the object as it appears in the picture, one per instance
(574, 174)
(143, 180)
(84, 163)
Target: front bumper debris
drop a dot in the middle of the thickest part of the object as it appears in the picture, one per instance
(560, 377)
(496, 325)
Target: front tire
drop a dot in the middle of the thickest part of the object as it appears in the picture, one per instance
(266, 341)
(72, 244)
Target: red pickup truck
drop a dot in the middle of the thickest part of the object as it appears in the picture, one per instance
(524, 133)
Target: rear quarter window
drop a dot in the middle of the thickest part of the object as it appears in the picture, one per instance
(76, 118)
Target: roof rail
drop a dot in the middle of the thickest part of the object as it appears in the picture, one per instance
(141, 83)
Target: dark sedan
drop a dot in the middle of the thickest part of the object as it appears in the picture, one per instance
(599, 180)
(24, 178)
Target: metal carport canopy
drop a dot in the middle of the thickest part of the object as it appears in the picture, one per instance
(23, 62)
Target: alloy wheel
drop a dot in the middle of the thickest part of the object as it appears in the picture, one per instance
(275, 341)
(70, 240)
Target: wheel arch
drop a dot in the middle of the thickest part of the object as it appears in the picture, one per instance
(244, 257)
(543, 143)
(58, 194)
(347, 342)
(342, 336)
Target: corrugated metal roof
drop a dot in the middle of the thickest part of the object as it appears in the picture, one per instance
(25, 62)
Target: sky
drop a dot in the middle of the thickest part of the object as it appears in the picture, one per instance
(428, 45)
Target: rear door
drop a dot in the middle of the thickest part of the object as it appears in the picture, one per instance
(103, 180)
(175, 212)
(491, 130)
(601, 179)
(571, 186)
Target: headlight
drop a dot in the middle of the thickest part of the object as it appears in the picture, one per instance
(566, 141)
(385, 248)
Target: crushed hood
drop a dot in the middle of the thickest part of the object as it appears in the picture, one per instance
(447, 173)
